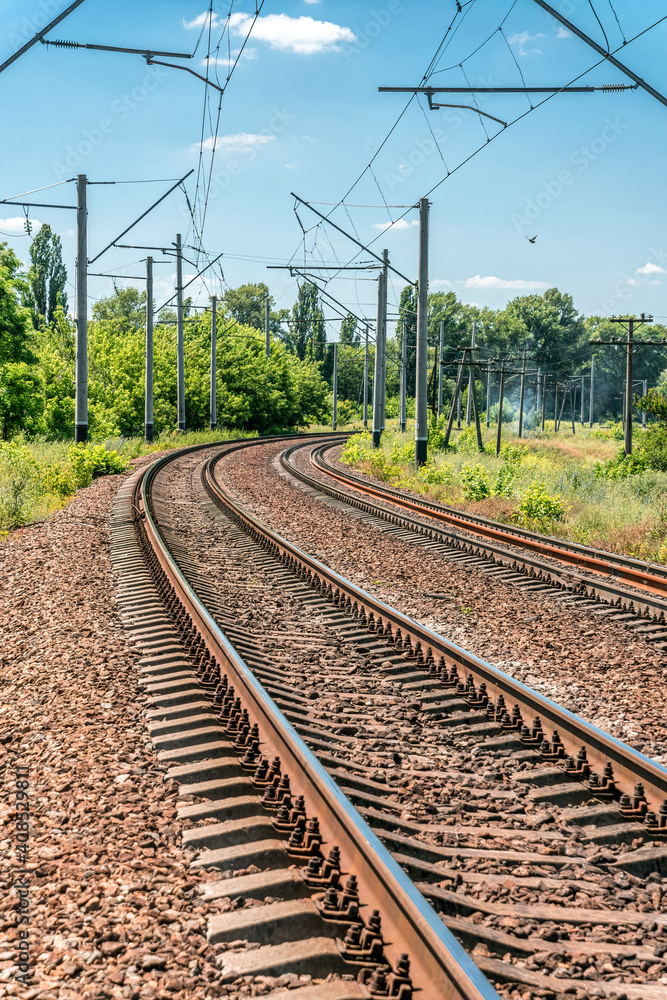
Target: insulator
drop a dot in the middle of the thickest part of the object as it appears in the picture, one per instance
(64, 45)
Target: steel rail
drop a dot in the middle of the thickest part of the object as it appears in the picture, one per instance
(440, 656)
(603, 590)
(440, 967)
(625, 569)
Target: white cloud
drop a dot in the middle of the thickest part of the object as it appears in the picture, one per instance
(237, 142)
(399, 224)
(651, 269)
(490, 281)
(201, 20)
(524, 38)
(303, 35)
(16, 225)
(440, 283)
(563, 33)
(226, 62)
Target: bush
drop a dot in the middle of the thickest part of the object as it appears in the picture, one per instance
(88, 462)
(537, 507)
(381, 466)
(476, 482)
(624, 465)
(442, 476)
(655, 447)
(356, 448)
(466, 442)
(513, 454)
(504, 484)
(20, 487)
(403, 454)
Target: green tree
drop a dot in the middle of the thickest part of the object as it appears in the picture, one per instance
(47, 276)
(349, 334)
(306, 335)
(20, 384)
(246, 304)
(127, 307)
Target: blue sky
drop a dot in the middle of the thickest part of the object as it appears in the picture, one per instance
(302, 113)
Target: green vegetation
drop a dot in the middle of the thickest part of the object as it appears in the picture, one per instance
(574, 487)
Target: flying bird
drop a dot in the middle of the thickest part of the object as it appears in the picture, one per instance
(531, 239)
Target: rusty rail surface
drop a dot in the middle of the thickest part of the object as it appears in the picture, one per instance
(634, 572)
(439, 967)
(609, 767)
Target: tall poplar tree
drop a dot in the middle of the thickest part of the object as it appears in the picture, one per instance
(47, 276)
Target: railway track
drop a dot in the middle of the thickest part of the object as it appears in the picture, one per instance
(520, 823)
(635, 591)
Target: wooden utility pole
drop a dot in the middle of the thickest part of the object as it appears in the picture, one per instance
(501, 393)
(180, 347)
(631, 323)
(421, 402)
(457, 391)
(214, 363)
(522, 393)
(473, 338)
(81, 401)
(402, 413)
(441, 373)
(148, 391)
(380, 356)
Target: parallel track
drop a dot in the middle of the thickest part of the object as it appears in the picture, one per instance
(642, 592)
(460, 687)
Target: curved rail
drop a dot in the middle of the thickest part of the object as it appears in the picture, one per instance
(633, 572)
(439, 966)
(586, 753)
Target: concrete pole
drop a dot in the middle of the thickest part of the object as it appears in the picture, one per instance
(556, 408)
(583, 390)
(180, 349)
(457, 394)
(81, 402)
(544, 400)
(644, 393)
(522, 393)
(501, 393)
(441, 372)
(470, 377)
(383, 397)
(628, 389)
(366, 381)
(267, 335)
(148, 392)
(214, 363)
(402, 415)
(488, 396)
(421, 402)
(380, 350)
(335, 387)
(590, 404)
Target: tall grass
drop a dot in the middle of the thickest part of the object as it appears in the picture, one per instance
(625, 515)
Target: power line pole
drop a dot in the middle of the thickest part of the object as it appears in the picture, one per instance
(644, 393)
(267, 332)
(81, 403)
(538, 394)
(421, 402)
(522, 393)
(402, 414)
(544, 400)
(380, 352)
(470, 378)
(501, 393)
(441, 372)
(180, 350)
(556, 408)
(335, 387)
(214, 363)
(488, 397)
(590, 404)
(631, 322)
(457, 391)
(366, 380)
(148, 411)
